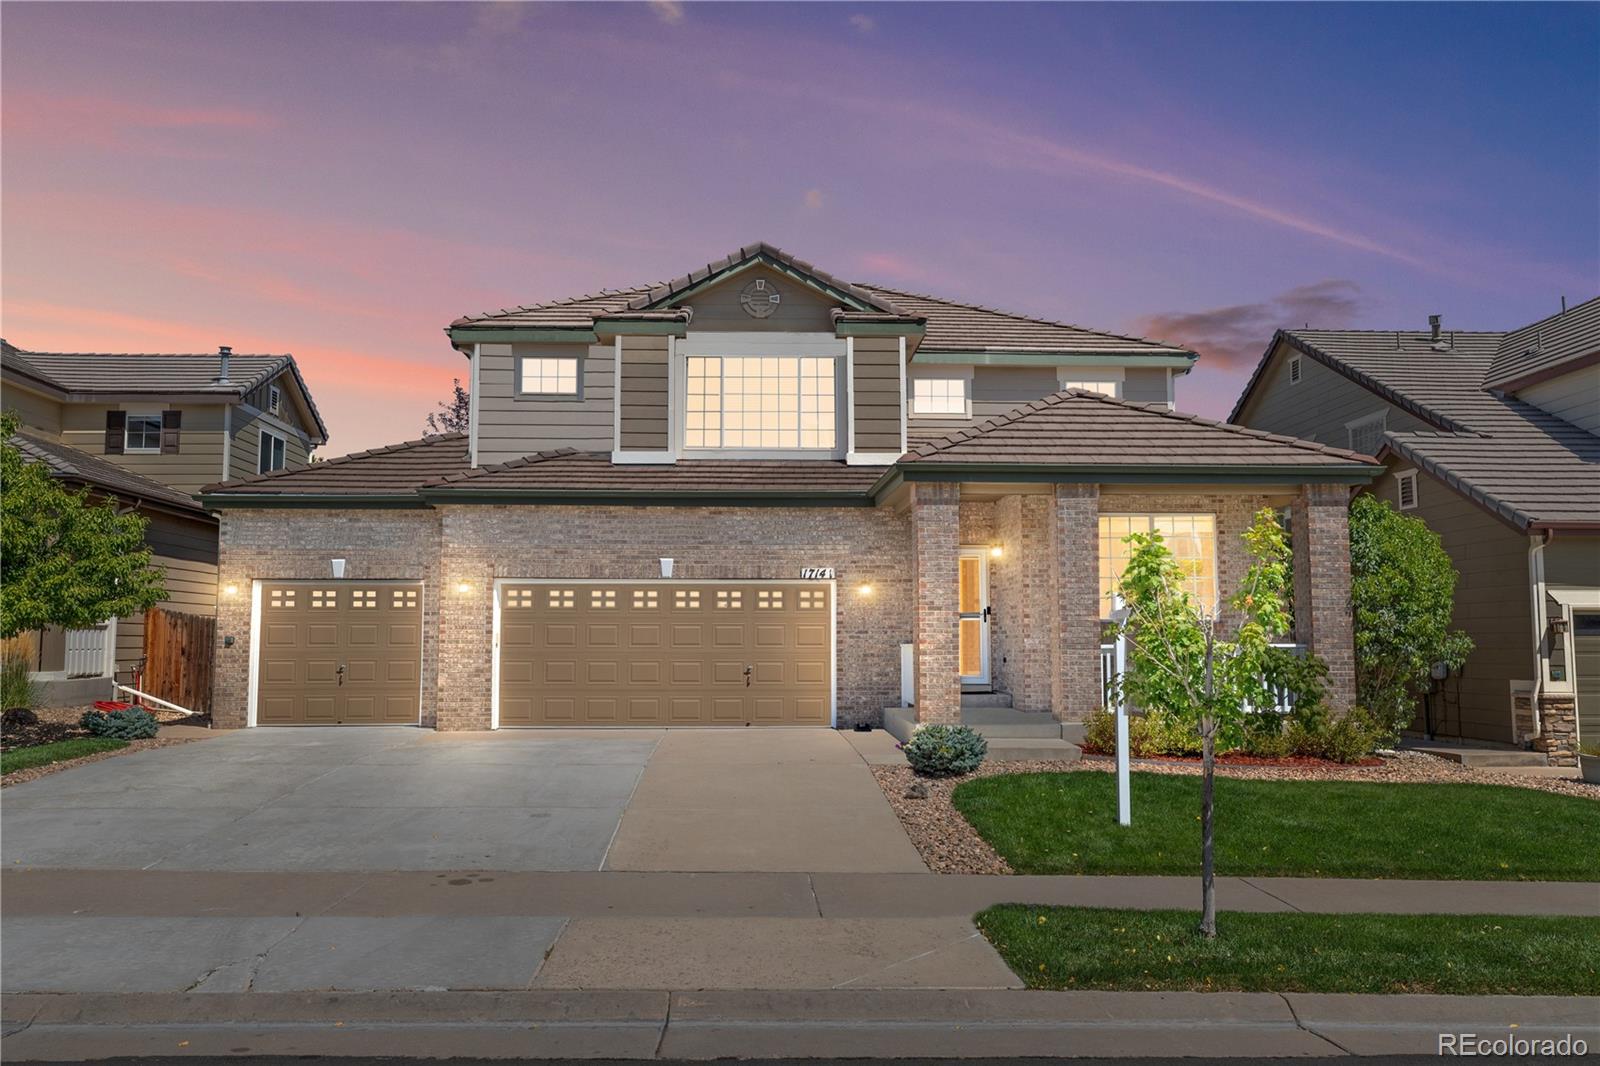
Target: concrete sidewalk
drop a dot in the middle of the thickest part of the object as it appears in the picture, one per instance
(707, 1025)
(634, 894)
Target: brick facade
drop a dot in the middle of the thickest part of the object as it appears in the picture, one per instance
(1323, 621)
(1022, 590)
(935, 530)
(1075, 687)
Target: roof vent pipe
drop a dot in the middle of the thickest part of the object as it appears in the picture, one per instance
(1433, 327)
(224, 354)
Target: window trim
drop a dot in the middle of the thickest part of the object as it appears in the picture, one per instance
(842, 415)
(965, 380)
(548, 397)
(261, 449)
(1115, 376)
(127, 424)
(1217, 604)
(1401, 478)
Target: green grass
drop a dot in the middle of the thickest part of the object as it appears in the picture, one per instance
(45, 754)
(1073, 947)
(1067, 824)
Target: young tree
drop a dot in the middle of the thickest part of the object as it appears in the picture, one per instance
(65, 561)
(1402, 594)
(454, 415)
(1182, 661)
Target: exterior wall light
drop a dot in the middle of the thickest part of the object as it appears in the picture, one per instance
(463, 587)
(230, 590)
(864, 590)
(996, 551)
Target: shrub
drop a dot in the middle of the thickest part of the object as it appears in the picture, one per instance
(945, 749)
(1347, 738)
(132, 724)
(17, 688)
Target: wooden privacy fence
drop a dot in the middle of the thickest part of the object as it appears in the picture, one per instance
(179, 652)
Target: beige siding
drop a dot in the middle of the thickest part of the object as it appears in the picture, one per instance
(1319, 406)
(1492, 607)
(1145, 384)
(38, 414)
(191, 588)
(877, 394)
(1574, 397)
(245, 454)
(801, 309)
(1572, 562)
(645, 394)
(510, 426)
(289, 411)
(199, 458)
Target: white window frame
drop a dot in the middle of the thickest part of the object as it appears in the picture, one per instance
(577, 377)
(1216, 547)
(1402, 478)
(761, 345)
(127, 426)
(279, 440)
(1297, 372)
(963, 380)
(1350, 428)
(1089, 378)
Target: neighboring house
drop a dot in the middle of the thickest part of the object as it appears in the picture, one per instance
(732, 498)
(1493, 439)
(147, 431)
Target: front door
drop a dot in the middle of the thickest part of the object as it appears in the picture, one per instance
(972, 597)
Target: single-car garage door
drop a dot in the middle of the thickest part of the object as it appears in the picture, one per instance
(666, 654)
(339, 653)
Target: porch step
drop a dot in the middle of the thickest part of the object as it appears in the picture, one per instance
(984, 699)
(1013, 736)
(1024, 749)
(1483, 757)
(995, 722)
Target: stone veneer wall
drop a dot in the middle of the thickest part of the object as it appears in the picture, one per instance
(298, 545)
(1558, 728)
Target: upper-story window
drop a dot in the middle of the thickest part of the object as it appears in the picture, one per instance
(760, 402)
(142, 433)
(543, 375)
(940, 396)
(1104, 386)
(1366, 434)
(273, 454)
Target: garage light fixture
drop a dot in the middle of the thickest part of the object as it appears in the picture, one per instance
(230, 590)
(338, 568)
(864, 590)
(463, 587)
(666, 567)
(996, 551)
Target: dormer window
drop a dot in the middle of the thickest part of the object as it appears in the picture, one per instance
(761, 403)
(548, 376)
(940, 396)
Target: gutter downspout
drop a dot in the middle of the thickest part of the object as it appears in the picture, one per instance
(1536, 586)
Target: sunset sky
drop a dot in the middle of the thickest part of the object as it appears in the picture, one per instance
(340, 181)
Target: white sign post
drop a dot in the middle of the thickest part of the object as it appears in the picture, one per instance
(1119, 615)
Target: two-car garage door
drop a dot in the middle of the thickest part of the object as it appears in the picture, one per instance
(665, 653)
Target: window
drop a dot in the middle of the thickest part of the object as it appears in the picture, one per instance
(549, 376)
(811, 599)
(686, 598)
(272, 456)
(143, 433)
(602, 597)
(560, 597)
(404, 598)
(1294, 370)
(760, 402)
(1405, 489)
(274, 399)
(769, 599)
(1366, 434)
(1103, 386)
(729, 598)
(364, 598)
(939, 396)
(645, 598)
(520, 597)
(1191, 537)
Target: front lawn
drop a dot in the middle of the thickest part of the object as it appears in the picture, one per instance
(1067, 824)
(1072, 947)
(59, 751)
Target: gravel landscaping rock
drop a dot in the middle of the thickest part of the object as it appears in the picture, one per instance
(61, 723)
(949, 844)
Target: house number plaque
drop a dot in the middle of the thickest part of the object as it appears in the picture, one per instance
(816, 573)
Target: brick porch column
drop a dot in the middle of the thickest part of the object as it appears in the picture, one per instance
(1322, 619)
(936, 525)
(466, 623)
(1075, 691)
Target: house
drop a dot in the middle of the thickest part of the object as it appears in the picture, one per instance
(1492, 439)
(731, 498)
(147, 431)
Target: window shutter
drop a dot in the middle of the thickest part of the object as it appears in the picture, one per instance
(116, 428)
(171, 424)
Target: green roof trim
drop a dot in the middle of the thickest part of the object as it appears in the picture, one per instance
(938, 358)
(646, 498)
(313, 501)
(1139, 475)
(630, 327)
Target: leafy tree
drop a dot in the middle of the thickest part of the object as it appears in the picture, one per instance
(1402, 593)
(65, 561)
(453, 415)
(1184, 661)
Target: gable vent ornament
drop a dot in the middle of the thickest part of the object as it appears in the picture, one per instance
(759, 298)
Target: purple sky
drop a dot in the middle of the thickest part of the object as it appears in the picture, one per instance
(341, 181)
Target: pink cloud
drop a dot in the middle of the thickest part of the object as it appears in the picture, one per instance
(106, 121)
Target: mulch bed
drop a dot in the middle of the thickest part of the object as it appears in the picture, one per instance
(1238, 758)
(61, 723)
(949, 844)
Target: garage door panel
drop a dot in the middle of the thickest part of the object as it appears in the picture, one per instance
(310, 630)
(665, 654)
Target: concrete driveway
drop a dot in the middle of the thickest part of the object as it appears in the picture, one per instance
(332, 799)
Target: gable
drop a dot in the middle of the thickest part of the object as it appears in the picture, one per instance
(801, 307)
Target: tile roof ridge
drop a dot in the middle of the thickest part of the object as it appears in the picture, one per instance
(948, 302)
(338, 460)
(1403, 332)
